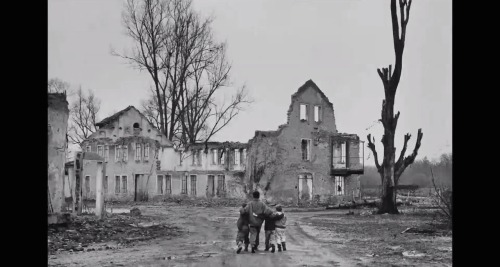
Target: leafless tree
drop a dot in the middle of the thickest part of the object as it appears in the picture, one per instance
(390, 170)
(56, 85)
(83, 116)
(188, 67)
(146, 23)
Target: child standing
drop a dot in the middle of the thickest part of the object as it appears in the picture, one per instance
(280, 229)
(269, 229)
(243, 230)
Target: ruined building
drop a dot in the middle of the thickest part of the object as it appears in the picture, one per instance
(130, 146)
(58, 113)
(212, 169)
(306, 158)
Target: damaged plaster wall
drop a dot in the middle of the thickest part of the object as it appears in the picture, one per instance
(121, 132)
(179, 164)
(275, 162)
(58, 114)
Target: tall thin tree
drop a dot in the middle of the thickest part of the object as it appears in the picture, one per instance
(390, 170)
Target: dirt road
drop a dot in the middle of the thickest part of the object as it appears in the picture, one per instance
(209, 241)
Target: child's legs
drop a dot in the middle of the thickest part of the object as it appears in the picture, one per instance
(268, 236)
(280, 235)
(253, 235)
(240, 237)
(272, 239)
(246, 233)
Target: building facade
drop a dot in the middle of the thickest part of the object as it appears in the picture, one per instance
(130, 146)
(306, 159)
(212, 169)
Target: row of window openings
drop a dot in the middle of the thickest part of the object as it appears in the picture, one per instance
(238, 159)
(121, 152)
(338, 183)
(306, 150)
(304, 113)
(121, 184)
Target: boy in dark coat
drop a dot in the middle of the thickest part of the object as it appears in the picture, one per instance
(256, 211)
(270, 228)
(243, 230)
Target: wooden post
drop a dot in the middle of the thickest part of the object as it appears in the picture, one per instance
(99, 198)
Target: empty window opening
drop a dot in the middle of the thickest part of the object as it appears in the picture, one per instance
(221, 184)
(193, 185)
(243, 156)
(237, 156)
(118, 153)
(303, 112)
(196, 157)
(106, 153)
(214, 156)
(306, 149)
(137, 151)
(146, 151)
(221, 157)
(125, 153)
(124, 184)
(159, 184)
(100, 151)
(136, 125)
(184, 185)
(339, 185)
(317, 114)
(117, 184)
(168, 184)
(343, 152)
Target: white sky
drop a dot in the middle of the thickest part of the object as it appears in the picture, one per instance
(275, 47)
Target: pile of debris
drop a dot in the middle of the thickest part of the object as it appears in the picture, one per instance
(123, 229)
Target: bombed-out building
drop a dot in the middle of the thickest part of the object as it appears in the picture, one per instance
(130, 146)
(210, 169)
(306, 159)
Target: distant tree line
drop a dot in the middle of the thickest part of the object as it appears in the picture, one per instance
(419, 173)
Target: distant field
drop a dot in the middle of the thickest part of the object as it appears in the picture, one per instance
(421, 192)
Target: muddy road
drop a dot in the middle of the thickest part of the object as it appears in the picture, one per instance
(209, 240)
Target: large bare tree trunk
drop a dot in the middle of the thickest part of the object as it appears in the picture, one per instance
(390, 170)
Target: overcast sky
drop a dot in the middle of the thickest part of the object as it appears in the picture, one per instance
(275, 47)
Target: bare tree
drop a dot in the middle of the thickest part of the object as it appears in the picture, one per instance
(146, 22)
(56, 85)
(83, 114)
(390, 170)
(176, 46)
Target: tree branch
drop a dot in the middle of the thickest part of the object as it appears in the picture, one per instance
(371, 145)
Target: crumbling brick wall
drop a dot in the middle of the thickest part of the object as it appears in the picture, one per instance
(274, 160)
(58, 114)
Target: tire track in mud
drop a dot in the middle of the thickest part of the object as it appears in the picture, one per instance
(316, 252)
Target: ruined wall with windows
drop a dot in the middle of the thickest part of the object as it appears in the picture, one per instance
(130, 146)
(212, 169)
(293, 164)
(57, 116)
